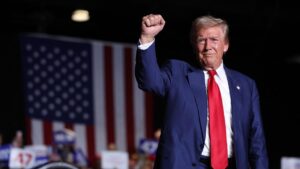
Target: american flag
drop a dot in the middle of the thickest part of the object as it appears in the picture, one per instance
(87, 86)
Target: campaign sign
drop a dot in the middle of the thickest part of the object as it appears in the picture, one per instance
(114, 159)
(148, 146)
(41, 153)
(62, 137)
(290, 163)
(20, 158)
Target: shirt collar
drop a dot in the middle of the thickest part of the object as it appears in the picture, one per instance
(220, 72)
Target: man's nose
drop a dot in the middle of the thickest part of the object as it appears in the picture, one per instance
(208, 44)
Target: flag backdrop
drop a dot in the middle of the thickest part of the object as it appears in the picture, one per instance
(87, 86)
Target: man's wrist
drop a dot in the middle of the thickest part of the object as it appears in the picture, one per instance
(144, 46)
(146, 39)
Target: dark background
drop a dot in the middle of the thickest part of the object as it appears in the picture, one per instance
(264, 44)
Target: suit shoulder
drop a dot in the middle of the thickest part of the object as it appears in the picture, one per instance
(179, 65)
(239, 75)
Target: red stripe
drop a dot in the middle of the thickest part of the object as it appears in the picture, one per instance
(91, 153)
(149, 115)
(108, 72)
(129, 100)
(48, 132)
(28, 131)
(69, 126)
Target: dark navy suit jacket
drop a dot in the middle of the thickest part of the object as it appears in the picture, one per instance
(184, 124)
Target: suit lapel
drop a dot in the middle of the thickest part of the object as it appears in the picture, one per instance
(197, 84)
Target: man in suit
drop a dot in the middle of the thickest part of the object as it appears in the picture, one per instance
(186, 138)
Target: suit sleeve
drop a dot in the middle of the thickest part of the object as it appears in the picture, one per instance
(149, 76)
(257, 151)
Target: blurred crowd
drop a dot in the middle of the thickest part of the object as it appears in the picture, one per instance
(64, 150)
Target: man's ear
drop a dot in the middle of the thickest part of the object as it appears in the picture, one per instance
(226, 48)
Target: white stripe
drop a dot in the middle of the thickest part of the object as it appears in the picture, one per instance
(139, 108)
(57, 125)
(119, 96)
(37, 132)
(98, 88)
(81, 139)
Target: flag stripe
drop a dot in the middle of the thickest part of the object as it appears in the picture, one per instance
(91, 152)
(119, 100)
(99, 89)
(82, 142)
(58, 125)
(28, 130)
(149, 115)
(139, 110)
(109, 94)
(129, 100)
(37, 132)
(47, 126)
(69, 126)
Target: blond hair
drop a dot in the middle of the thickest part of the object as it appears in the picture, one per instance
(208, 21)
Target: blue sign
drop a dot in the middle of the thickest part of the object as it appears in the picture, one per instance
(63, 137)
(148, 146)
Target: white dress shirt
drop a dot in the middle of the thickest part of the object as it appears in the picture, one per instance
(221, 80)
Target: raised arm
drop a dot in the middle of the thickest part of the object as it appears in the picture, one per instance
(148, 74)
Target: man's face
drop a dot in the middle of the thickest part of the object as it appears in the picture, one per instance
(211, 45)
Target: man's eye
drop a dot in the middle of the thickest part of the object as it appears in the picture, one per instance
(201, 40)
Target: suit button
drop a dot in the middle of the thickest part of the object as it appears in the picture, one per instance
(194, 164)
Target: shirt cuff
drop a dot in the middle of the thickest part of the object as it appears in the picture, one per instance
(145, 45)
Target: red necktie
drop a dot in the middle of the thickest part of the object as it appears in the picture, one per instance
(218, 145)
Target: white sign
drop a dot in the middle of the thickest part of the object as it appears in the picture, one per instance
(41, 153)
(114, 160)
(290, 163)
(20, 158)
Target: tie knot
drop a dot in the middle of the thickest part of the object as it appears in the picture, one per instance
(212, 73)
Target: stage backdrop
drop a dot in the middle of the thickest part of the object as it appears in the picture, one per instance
(87, 86)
